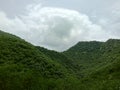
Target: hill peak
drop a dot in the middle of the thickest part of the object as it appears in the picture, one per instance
(113, 40)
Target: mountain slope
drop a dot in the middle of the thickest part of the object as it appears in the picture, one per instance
(23, 66)
(61, 59)
(56, 56)
(99, 63)
(16, 51)
(106, 77)
(85, 54)
(85, 66)
(91, 55)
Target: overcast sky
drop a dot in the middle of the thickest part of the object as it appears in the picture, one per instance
(59, 24)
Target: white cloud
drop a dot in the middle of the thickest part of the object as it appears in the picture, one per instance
(54, 28)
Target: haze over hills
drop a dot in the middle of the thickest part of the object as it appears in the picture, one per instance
(86, 66)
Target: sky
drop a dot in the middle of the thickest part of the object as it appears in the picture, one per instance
(60, 24)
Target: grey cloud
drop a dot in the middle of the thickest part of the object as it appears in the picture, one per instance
(54, 28)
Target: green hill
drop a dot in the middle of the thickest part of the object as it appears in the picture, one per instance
(99, 64)
(85, 66)
(56, 56)
(61, 59)
(86, 55)
(23, 66)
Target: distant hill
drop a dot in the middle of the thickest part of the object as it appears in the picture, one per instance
(86, 66)
(86, 55)
(99, 62)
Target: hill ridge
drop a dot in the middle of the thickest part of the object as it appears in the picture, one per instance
(88, 63)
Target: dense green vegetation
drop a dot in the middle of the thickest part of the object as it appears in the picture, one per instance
(85, 66)
(23, 66)
(99, 63)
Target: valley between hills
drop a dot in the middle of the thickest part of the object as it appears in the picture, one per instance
(87, 65)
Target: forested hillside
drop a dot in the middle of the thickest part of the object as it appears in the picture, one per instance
(93, 54)
(85, 66)
(23, 66)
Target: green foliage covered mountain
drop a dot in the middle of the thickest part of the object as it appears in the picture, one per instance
(98, 63)
(23, 66)
(85, 66)
(61, 59)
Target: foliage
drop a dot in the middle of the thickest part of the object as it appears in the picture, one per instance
(85, 66)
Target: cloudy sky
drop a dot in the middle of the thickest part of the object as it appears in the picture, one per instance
(59, 24)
